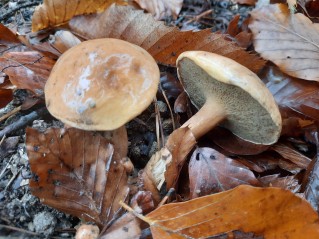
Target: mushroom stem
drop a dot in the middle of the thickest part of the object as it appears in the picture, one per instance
(206, 118)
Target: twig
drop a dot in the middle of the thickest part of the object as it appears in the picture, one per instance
(20, 6)
(12, 112)
(23, 121)
(170, 192)
(195, 19)
(169, 107)
(19, 230)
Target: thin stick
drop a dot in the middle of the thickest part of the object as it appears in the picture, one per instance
(167, 196)
(169, 107)
(23, 121)
(199, 16)
(140, 216)
(12, 112)
(19, 230)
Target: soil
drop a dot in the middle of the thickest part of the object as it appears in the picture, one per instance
(21, 214)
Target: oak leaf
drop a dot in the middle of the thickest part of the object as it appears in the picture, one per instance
(264, 212)
(289, 40)
(162, 42)
(161, 8)
(77, 172)
(54, 13)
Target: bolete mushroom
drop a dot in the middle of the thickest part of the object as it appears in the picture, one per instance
(228, 94)
(101, 84)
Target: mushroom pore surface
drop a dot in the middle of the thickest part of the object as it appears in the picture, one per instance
(246, 117)
(101, 84)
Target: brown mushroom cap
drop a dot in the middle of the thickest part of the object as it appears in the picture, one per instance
(243, 104)
(101, 84)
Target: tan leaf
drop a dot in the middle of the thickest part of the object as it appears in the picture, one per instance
(264, 212)
(162, 42)
(77, 172)
(161, 8)
(289, 40)
(27, 70)
(54, 13)
(212, 172)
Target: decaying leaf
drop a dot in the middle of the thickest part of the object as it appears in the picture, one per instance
(27, 70)
(8, 40)
(289, 182)
(212, 172)
(77, 172)
(5, 97)
(161, 8)
(266, 212)
(162, 42)
(295, 97)
(289, 40)
(54, 13)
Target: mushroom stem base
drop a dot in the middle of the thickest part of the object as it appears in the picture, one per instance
(206, 118)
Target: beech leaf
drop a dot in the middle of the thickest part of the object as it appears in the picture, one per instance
(54, 13)
(265, 212)
(289, 40)
(77, 172)
(212, 172)
(162, 42)
(27, 70)
(161, 8)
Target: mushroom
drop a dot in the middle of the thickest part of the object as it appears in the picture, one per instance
(101, 84)
(228, 94)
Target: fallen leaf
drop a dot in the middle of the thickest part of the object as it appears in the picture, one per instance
(8, 40)
(233, 144)
(291, 154)
(212, 172)
(288, 182)
(161, 8)
(294, 97)
(126, 227)
(53, 13)
(77, 172)
(267, 212)
(289, 40)
(163, 169)
(27, 70)
(5, 97)
(162, 42)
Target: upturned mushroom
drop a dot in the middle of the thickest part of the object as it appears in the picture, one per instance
(228, 94)
(101, 84)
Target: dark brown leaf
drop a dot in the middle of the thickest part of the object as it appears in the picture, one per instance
(77, 172)
(212, 172)
(295, 97)
(162, 42)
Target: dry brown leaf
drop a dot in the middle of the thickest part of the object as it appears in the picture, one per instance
(295, 97)
(5, 96)
(288, 182)
(8, 40)
(289, 40)
(266, 212)
(212, 172)
(291, 154)
(246, 2)
(27, 70)
(126, 227)
(54, 13)
(77, 172)
(161, 8)
(233, 144)
(162, 42)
